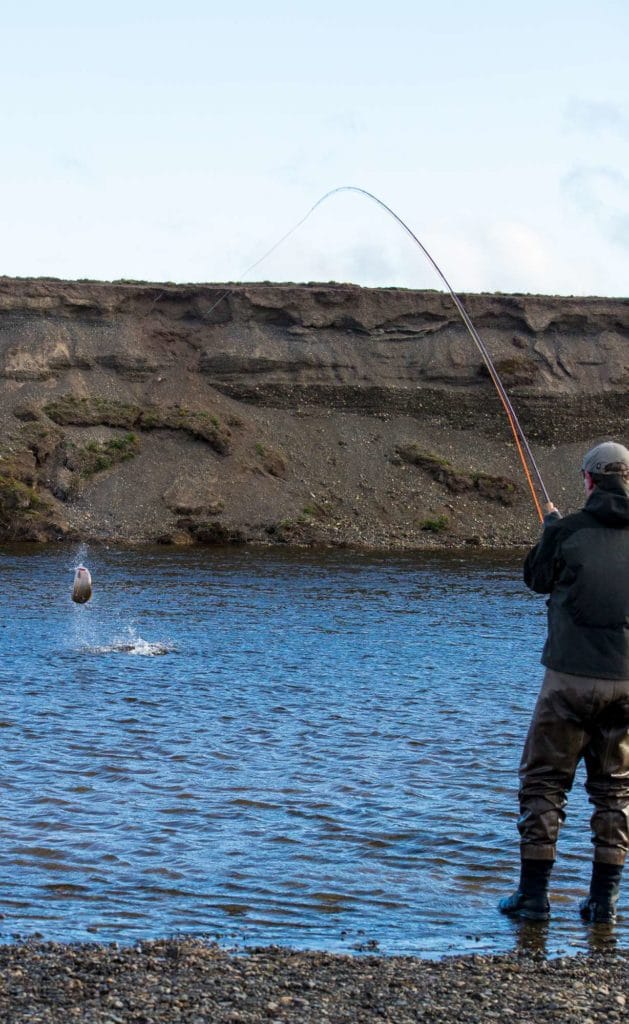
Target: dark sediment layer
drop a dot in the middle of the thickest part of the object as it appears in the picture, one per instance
(281, 413)
(192, 983)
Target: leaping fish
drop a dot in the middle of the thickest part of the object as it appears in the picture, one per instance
(82, 589)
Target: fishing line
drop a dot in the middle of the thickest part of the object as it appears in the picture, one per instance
(525, 454)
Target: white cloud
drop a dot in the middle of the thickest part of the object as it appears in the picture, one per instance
(593, 116)
(602, 193)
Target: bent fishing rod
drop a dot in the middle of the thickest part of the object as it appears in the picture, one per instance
(529, 465)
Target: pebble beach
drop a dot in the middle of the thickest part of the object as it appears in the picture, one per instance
(192, 982)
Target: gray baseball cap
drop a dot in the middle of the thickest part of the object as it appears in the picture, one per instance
(605, 454)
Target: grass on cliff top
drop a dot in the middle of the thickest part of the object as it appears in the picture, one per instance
(93, 411)
(494, 488)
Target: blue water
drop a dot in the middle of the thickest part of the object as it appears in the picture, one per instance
(318, 751)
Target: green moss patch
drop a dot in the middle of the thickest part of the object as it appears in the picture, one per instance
(98, 456)
(22, 509)
(493, 488)
(93, 411)
(438, 524)
(16, 496)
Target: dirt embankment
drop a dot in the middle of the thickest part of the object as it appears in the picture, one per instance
(304, 414)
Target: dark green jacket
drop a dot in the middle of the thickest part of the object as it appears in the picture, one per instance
(582, 561)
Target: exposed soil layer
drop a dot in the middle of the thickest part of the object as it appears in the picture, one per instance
(187, 982)
(294, 414)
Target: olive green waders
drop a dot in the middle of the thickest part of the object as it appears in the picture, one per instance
(576, 717)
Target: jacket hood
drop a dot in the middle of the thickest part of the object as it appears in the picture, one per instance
(609, 502)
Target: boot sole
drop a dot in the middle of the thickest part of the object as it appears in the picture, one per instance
(525, 914)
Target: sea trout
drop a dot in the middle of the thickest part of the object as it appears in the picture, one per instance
(82, 589)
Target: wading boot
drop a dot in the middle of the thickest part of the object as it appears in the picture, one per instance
(600, 905)
(530, 900)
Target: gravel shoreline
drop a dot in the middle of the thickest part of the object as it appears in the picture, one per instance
(192, 982)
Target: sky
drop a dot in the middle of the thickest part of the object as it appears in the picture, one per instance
(179, 142)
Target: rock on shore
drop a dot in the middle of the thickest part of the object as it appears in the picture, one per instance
(294, 414)
(189, 982)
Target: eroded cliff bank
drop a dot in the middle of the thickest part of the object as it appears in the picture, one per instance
(304, 414)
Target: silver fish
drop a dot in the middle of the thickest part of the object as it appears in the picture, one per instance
(82, 589)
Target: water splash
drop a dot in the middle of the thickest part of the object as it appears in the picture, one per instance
(80, 556)
(138, 646)
(131, 643)
(103, 630)
(83, 625)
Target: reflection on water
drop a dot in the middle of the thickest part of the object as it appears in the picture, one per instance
(324, 755)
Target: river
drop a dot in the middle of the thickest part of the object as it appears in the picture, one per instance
(313, 750)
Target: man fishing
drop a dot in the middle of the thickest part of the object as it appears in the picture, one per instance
(582, 562)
